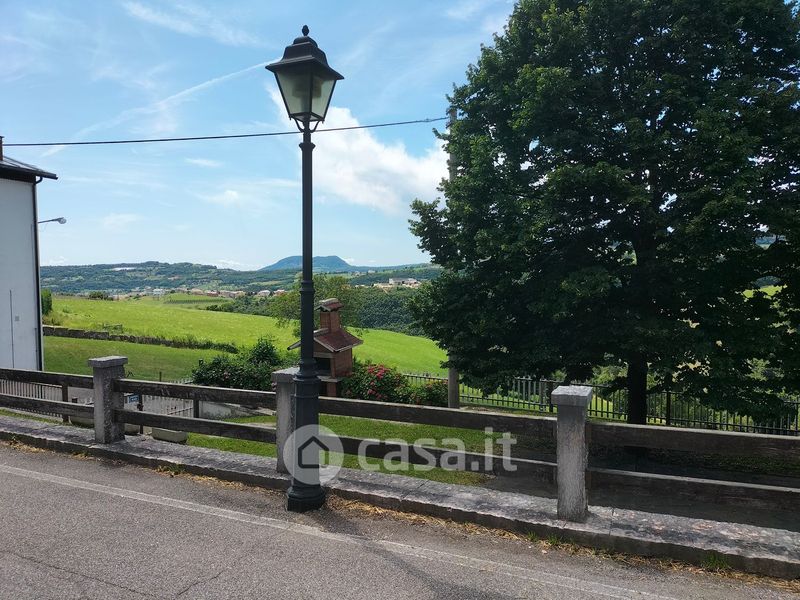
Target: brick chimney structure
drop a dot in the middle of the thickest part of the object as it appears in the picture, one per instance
(333, 347)
(329, 317)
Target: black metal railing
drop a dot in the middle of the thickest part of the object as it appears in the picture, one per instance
(663, 408)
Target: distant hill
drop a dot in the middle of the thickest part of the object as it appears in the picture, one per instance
(126, 277)
(324, 264)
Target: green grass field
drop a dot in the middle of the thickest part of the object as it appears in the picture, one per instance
(69, 355)
(474, 441)
(188, 300)
(176, 319)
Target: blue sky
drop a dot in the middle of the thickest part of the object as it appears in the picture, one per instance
(109, 69)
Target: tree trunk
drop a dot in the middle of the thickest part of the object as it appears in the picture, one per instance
(637, 390)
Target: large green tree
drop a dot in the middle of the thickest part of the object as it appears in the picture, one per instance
(615, 162)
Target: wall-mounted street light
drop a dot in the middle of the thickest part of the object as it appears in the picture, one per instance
(306, 83)
(60, 220)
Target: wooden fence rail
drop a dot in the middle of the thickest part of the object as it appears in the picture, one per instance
(46, 406)
(239, 431)
(77, 381)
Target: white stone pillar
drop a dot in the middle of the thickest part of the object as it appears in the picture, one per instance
(284, 410)
(572, 402)
(105, 371)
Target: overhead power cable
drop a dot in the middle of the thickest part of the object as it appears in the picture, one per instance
(223, 137)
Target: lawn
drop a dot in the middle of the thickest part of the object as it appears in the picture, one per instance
(69, 355)
(367, 428)
(160, 318)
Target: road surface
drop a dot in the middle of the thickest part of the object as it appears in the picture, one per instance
(84, 528)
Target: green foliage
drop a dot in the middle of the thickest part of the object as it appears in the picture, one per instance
(98, 296)
(377, 382)
(381, 309)
(249, 370)
(431, 393)
(616, 164)
(286, 308)
(419, 272)
(385, 384)
(47, 302)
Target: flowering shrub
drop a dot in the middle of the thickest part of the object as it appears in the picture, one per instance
(377, 382)
(385, 384)
(433, 393)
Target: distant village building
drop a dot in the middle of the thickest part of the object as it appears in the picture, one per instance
(278, 292)
(263, 293)
(231, 293)
(403, 281)
(20, 304)
(333, 347)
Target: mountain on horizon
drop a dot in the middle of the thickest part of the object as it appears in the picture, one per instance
(319, 263)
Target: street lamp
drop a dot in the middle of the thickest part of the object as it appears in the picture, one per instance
(306, 83)
(60, 220)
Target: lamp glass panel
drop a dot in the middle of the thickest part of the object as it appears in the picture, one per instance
(321, 90)
(296, 91)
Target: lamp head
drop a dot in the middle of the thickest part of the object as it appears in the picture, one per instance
(305, 80)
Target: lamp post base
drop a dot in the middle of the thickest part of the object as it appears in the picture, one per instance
(304, 499)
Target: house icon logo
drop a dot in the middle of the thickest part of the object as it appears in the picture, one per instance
(313, 454)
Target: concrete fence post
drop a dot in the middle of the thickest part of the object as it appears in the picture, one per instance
(572, 402)
(284, 410)
(104, 371)
(453, 388)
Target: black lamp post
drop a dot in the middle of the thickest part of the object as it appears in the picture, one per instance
(306, 83)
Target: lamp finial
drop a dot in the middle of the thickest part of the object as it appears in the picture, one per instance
(305, 30)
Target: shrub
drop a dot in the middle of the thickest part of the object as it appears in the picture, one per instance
(377, 382)
(47, 302)
(99, 296)
(264, 352)
(433, 393)
(250, 370)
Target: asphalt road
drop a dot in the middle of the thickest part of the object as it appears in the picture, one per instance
(83, 528)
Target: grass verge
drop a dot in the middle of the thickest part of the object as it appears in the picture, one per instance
(473, 441)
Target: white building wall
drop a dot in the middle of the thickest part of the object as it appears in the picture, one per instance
(19, 301)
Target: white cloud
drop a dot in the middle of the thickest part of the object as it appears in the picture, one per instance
(204, 162)
(355, 167)
(119, 221)
(349, 261)
(255, 196)
(227, 198)
(191, 19)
